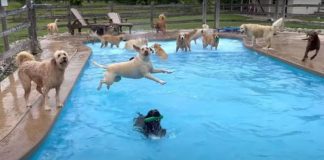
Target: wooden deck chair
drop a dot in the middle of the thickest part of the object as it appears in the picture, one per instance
(118, 22)
(79, 22)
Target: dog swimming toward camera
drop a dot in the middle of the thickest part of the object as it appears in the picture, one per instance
(150, 125)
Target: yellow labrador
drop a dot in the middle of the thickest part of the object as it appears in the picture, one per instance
(138, 67)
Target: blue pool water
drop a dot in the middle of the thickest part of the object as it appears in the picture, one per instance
(228, 104)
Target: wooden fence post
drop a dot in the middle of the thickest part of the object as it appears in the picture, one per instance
(69, 18)
(204, 10)
(241, 8)
(231, 5)
(283, 9)
(4, 27)
(276, 10)
(111, 4)
(152, 14)
(217, 14)
(32, 33)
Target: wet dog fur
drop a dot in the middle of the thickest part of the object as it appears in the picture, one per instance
(150, 128)
(210, 39)
(160, 51)
(46, 74)
(183, 41)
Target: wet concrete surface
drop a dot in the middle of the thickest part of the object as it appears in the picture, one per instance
(22, 129)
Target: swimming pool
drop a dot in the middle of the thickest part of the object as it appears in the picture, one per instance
(232, 103)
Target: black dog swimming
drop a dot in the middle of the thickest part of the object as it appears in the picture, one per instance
(150, 124)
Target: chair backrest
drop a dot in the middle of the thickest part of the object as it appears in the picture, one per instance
(78, 16)
(114, 17)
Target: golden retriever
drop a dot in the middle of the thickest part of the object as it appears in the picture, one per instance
(52, 27)
(260, 31)
(136, 68)
(210, 39)
(183, 41)
(105, 39)
(47, 74)
(160, 25)
(160, 51)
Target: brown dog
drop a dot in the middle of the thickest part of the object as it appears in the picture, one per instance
(312, 44)
(52, 27)
(160, 25)
(183, 41)
(47, 74)
(105, 39)
(210, 39)
(160, 51)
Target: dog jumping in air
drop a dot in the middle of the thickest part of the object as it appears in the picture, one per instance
(136, 68)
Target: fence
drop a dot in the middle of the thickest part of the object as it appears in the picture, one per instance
(142, 16)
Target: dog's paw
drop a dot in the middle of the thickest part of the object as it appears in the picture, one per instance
(162, 82)
(60, 105)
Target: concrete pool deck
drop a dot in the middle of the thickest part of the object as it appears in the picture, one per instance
(22, 129)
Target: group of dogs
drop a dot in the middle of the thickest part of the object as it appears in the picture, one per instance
(49, 74)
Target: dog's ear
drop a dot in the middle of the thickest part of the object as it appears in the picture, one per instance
(53, 61)
(136, 48)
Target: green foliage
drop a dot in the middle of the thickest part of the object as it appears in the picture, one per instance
(76, 2)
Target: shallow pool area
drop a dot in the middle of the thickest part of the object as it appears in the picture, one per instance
(232, 103)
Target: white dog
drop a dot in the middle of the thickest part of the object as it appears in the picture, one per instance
(138, 67)
(260, 31)
(137, 42)
(47, 74)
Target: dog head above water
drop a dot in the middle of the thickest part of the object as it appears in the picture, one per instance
(61, 59)
(152, 123)
(143, 51)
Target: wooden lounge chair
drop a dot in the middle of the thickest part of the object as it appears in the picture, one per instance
(79, 22)
(118, 23)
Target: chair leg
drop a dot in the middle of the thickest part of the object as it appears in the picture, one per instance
(130, 30)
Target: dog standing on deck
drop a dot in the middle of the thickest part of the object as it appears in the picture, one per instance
(47, 74)
(52, 27)
(160, 25)
(105, 39)
(138, 67)
(260, 31)
(313, 43)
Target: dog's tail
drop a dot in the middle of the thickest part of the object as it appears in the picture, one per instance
(23, 57)
(99, 65)
(278, 23)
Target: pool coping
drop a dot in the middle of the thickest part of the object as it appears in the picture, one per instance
(34, 127)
